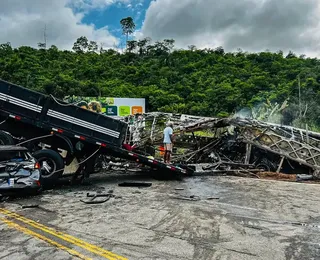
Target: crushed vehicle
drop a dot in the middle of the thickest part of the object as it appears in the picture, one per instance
(64, 138)
(19, 171)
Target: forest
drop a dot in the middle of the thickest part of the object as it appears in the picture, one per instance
(206, 82)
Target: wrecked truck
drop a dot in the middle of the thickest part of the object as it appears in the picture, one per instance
(60, 134)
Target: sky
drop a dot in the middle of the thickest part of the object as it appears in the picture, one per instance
(251, 25)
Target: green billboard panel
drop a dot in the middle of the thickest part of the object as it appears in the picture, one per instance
(124, 111)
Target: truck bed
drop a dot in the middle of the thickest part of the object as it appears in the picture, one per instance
(44, 112)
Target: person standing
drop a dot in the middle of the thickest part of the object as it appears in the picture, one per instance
(168, 142)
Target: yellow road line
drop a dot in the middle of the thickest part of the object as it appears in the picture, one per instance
(36, 235)
(73, 240)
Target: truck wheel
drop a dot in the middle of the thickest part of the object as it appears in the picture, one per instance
(52, 165)
(6, 139)
(266, 165)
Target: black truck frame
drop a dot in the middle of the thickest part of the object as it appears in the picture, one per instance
(39, 121)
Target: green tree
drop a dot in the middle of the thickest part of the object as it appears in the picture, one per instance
(92, 46)
(142, 45)
(81, 44)
(128, 26)
(131, 45)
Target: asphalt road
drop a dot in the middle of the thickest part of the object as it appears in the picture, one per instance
(229, 218)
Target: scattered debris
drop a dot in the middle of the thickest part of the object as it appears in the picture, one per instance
(30, 206)
(190, 198)
(99, 194)
(304, 177)
(213, 198)
(107, 197)
(135, 184)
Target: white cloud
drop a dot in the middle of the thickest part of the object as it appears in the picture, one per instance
(253, 25)
(85, 5)
(22, 22)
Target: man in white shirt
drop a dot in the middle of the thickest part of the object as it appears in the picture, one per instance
(168, 141)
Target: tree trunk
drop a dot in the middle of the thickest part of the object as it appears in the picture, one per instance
(127, 35)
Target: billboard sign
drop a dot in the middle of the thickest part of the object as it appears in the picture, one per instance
(110, 106)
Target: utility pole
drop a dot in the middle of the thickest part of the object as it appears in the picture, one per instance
(299, 86)
(43, 45)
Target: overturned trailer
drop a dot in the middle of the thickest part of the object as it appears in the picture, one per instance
(238, 142)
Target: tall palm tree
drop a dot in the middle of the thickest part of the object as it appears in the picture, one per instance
(128, 27)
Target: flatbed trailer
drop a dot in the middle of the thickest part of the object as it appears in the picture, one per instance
(39, 121)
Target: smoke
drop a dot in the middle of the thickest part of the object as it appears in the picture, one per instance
(244, 113)
(267, 112)
(284, 114)
(301, 112)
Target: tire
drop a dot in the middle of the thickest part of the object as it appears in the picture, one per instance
(53, 168)
(6, 139)
(266, 165)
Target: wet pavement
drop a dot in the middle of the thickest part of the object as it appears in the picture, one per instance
(230, 218)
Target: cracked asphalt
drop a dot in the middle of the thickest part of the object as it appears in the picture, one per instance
(233, 218)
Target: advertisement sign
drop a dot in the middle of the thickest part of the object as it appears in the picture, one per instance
(110, 106)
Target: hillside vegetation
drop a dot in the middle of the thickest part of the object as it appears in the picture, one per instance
(207, 82)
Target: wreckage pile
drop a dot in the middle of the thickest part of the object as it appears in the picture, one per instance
(222, 145)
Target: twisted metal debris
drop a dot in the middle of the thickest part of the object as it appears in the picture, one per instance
(230, 143)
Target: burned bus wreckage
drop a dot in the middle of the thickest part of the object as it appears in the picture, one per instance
(229, 145)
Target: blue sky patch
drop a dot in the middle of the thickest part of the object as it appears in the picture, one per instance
(111, 15)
